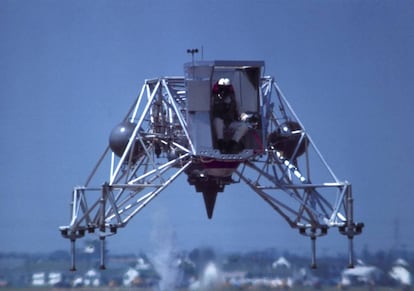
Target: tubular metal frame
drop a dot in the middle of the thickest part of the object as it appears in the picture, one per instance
(302, 189)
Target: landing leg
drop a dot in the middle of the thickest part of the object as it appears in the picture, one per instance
(102, 264)
(313, 246)
(72, 255)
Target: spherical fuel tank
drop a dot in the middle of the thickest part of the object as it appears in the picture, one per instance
(286, 139)
(119, 138)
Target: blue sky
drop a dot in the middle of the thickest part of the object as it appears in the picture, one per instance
(70, 70)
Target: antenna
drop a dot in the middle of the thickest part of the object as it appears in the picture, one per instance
(192, 52)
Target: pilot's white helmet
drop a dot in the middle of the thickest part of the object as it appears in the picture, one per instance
(224, 82)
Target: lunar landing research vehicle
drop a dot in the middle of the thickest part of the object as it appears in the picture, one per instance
(223, 122)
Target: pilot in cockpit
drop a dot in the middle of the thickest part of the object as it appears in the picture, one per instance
(228, 128)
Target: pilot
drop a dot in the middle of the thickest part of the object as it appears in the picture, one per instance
(225, 118)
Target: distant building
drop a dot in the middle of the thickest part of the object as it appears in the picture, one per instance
(92, 278)
(283, 272)
(39, 279)
(46, 279)
(55, 278)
